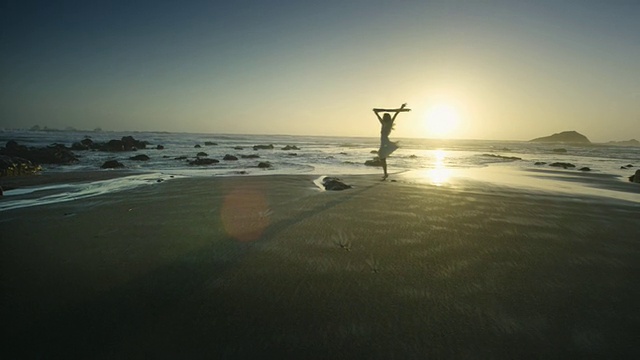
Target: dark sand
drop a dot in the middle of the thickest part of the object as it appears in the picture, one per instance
(257, 267)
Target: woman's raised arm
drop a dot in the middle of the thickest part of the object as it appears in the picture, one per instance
(398, 111)
(376, 111)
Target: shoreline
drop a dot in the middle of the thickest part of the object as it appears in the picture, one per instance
(531, 180)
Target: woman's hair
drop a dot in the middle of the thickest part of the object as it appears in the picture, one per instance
(386, 117)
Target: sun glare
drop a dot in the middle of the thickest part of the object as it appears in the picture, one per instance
(441, 120)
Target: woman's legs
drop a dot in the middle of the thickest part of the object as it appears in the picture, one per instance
(384, 168)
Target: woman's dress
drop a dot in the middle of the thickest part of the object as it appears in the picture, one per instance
(386, 146)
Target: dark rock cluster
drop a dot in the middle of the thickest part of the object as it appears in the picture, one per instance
(126, 143)
(14, 166)
(16, 159)
(52, 154)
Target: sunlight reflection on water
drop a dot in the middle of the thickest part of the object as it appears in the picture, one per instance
(440, 174)
(541, 181)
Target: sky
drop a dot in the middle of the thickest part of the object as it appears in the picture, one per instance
(482, 69)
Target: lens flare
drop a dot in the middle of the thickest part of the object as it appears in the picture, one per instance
(245, 214)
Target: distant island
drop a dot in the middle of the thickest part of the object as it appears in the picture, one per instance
(68, 128)
(632, 142)
(564, 137)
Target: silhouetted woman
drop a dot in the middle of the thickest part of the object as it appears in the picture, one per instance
(387, 146)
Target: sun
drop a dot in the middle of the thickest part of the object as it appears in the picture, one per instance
(441, 120)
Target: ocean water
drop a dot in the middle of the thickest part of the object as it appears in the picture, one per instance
(321, 155)
(438, 162)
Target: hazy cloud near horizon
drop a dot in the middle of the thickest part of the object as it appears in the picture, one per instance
(503, 69)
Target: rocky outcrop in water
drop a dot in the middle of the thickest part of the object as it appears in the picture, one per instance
(229, 157)
(562, 165)
(635, 177)
(52, 154)
(373, 162)
(565, 137)
(141, 157)
(501, 157)
(264, 165)
(112, 164)
(290, 147)
(203, 161)
(263, 147)
(84, 144)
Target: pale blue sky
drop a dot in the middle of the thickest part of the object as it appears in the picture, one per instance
(510, 69)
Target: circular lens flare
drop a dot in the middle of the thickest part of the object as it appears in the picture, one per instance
(245, 214)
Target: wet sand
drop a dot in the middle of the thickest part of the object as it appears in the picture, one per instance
(256, 267)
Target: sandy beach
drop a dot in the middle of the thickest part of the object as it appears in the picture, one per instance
(271, 266)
